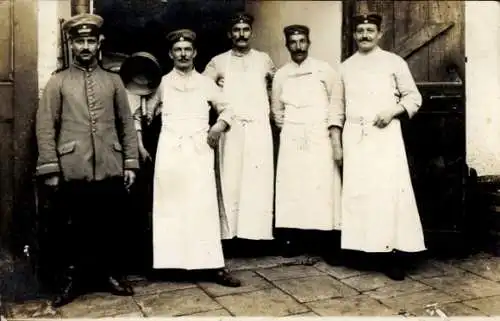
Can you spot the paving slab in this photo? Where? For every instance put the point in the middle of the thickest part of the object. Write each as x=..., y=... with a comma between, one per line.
x=145, y=287
x=398, y=288
x=360, y=305
x=250, y=281
x=175, y=303
x=456, y=309
x=238, y=264
x=29, y=309
x=307, y=314
x=213, y=313
x=465, y=286
x=488, y=268
x=338, y=272
x=289, y=272
x=269, y=302
x=415, y=302
x=368, y=281
x=489, y=306
x=100, y=305
x=434, y=268
x=315, y=288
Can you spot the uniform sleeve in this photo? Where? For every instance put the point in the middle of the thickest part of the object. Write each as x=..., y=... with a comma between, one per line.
x=47, y=122
x=336, y=108
x=410, y=97
x=126, y=128
x=217, y=98
x=277, y=107
x=211, y=70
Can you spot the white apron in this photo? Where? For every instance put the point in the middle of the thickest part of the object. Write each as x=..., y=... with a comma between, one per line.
x=379, y=211
x=246, y=156
x=308, y=181
x=186, y=225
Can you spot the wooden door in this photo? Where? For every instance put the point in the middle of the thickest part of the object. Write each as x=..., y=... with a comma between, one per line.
x=6, y=113
x=18, y=103
x=430, y=36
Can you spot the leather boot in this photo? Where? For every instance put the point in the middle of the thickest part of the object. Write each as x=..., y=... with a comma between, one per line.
x=67, y=291
x=394, y=267
x=120, y=287
x=223, y=278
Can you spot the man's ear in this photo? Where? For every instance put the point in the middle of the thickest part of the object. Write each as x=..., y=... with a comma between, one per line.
x=380, y=34
x=170, y=54
x=195, y=52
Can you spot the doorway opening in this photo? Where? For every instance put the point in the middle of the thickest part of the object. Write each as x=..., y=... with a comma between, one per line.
x=141, y=25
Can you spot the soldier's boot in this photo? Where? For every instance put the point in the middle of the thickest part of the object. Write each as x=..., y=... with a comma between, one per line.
x=67, y=292
x=395, y=267
x=120, y=287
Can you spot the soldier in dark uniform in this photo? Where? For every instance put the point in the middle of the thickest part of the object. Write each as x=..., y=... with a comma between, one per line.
x=88, y=154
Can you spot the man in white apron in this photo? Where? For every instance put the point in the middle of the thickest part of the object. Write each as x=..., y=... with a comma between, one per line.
x=186, y=222
x=379, y=211
x=306, y=106
x=246, y=151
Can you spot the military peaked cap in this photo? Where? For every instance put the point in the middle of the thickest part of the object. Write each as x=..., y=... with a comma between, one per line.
x=374, y=18
x=83, y=25
x=181, y=35
x=296, y=30
x=242, y=17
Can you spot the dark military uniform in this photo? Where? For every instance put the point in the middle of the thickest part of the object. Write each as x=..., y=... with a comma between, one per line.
x=86, y=136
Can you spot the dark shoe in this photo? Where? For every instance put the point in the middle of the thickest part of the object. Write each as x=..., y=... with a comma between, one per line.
x=222, y=277
x=67, y=295
x=395, y=273
x=119, y=287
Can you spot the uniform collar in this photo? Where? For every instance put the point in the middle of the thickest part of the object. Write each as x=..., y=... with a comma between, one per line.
x=184, y=81
x=183, y=74
x=304, y=64
x=89, y=68
x=236, y=53
x=374, y=51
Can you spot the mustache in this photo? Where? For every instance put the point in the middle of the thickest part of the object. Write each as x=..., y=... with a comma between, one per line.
x=85, y=52
x=299, y=51
x=242, y=38
x=365, y=39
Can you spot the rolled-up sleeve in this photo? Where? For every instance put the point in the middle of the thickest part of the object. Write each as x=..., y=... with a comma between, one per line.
x=277, y=107
x=126, y=128
x=410, y=97
x=47, y=121
x=219, y=102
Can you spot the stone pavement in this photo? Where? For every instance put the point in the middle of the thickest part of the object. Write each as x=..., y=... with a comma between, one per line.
x=275, y=286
